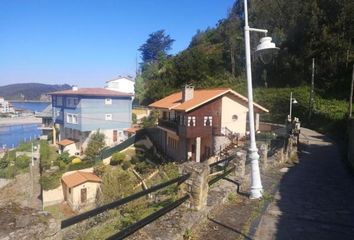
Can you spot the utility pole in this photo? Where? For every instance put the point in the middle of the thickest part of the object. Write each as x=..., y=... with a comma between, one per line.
x=312, y=93
x=351, y=95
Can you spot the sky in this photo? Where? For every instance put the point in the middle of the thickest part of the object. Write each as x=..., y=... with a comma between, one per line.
x=88, y=42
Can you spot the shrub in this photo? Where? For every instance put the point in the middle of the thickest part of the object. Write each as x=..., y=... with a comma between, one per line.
x=100, y=169
x=8, y=172
x=126, y=165
x=135, y=160
x=65, y=157
x=4, y=162
x=76, y=160
x=117, y=158
x=142, y=167
x=22, y=161
x=81, y=165
x=95, y=145
x=51, y=181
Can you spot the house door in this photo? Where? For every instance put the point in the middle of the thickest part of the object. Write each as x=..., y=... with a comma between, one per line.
x=115, y=135
x=83, y=195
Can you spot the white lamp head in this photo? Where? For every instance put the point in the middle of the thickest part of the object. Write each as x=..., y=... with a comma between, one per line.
x=266, y=49
x=294, y=101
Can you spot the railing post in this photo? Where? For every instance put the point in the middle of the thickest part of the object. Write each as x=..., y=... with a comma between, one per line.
x=197, y=184
x=240, y=165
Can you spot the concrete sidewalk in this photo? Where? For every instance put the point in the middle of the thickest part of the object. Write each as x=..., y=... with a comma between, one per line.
x=315, y=199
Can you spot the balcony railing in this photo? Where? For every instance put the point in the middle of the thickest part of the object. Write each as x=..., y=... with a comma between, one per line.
x=169, y=124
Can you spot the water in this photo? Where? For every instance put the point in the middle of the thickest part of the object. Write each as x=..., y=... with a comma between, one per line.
x=32, y=106
x=12, y=136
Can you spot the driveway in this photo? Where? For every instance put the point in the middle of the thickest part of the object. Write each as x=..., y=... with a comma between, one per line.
x=315, y=198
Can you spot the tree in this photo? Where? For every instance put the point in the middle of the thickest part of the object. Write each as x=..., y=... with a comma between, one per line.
x=95, y=145
x=158, y=44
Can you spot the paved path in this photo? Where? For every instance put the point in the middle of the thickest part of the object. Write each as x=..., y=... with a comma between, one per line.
x=315, y=198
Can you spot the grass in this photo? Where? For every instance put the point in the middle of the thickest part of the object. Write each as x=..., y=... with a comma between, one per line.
x=54, y=210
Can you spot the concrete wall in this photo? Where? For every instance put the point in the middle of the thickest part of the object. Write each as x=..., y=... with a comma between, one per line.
x=231, y=107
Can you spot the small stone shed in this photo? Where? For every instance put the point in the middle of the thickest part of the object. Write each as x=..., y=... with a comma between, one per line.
x=80, y=188
x=67, y=145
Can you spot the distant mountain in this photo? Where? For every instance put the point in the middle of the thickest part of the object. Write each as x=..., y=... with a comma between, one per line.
x=29, y=91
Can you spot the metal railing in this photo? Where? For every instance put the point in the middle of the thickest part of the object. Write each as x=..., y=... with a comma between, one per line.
x=136, y=226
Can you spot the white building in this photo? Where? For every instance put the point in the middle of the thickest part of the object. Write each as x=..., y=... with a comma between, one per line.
x=5, y=106
x=121, y=84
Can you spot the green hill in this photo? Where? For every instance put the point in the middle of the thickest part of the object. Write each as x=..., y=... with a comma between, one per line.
x=29, y=91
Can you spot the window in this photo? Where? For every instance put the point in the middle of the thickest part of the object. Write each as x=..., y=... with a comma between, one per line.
x=108, y=101
x=69, y=190
x=72, y=102
x=108, y=117
x=234, y=117
x=208, y=121
x=191, y=121
x=71, y=118
x=59, y=101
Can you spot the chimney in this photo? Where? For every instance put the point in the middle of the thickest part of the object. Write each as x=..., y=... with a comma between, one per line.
x=187, y=93
x=75, y=88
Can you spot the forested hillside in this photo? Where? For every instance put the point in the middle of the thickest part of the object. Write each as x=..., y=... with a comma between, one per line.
x=303, y=30
x=29, y=91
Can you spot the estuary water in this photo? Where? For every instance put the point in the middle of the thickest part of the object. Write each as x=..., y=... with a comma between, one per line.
x=12, y=135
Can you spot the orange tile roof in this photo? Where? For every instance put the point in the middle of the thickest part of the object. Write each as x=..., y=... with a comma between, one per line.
x=65, y=142
x=200, y=97
x=92, y=92
x=79, y=177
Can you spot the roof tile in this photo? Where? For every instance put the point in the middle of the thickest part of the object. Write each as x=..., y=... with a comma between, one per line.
x=79, y=177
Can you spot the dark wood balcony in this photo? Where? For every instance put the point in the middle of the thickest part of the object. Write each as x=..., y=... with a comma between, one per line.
x=169, y=124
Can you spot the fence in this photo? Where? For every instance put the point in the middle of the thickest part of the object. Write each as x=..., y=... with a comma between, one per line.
x=136, y=226
x=107, y=152
x=220, y=166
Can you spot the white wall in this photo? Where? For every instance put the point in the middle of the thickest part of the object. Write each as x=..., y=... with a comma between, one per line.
x=230, y=107
x=121, y=85
x=75, y=196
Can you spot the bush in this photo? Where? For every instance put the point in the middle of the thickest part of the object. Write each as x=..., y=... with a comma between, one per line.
x=142, y=167
x=22, y=162
x=64, y=157
x=81, y=165
x=117, y=159
x=51, y=181
x=135, y=160
x=4, y=162
x=76, y=160
x=8, y=172
x=126, y=165
x=100, y=169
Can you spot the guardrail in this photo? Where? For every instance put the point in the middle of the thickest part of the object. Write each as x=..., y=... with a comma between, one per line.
x=136, y=226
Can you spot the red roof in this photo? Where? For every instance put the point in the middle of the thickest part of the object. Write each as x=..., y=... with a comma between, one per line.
x=65, y=142
x=92, y=92
x=200, y=97
x=79, y=177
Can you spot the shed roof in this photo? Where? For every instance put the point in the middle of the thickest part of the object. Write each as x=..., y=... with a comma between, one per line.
x=79, y=177
x=65, y=142
x=200, y=97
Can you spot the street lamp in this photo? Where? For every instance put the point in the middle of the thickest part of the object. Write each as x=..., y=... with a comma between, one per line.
x=292, y=101
x=264, y=49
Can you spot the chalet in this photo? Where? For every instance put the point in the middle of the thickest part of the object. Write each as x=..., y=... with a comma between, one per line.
x=194, y=124
x=82, y=111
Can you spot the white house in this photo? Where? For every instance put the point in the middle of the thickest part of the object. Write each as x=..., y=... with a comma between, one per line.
x=121, y=84
x=80, y=188
x=5, y=106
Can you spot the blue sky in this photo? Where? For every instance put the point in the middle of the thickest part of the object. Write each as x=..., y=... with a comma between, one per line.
x=87, y=42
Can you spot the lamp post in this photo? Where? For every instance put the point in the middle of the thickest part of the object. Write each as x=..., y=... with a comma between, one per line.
x=292, y=101
x=265, y=48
